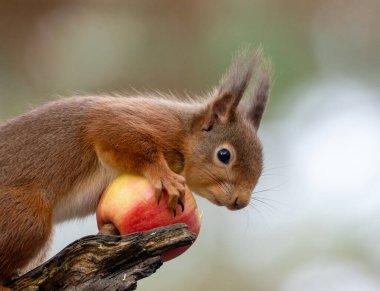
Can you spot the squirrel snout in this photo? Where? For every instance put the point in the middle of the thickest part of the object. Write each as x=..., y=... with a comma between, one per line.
x=233, y=201
x=238, y=203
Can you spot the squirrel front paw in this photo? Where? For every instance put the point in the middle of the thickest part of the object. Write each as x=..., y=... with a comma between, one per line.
x=172, y=184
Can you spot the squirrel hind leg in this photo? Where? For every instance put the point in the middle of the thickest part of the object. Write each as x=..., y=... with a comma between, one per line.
x=25, y=228
x=40, y=257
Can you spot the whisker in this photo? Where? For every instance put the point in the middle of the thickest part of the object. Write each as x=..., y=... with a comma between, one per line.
x=265, y=190
x=213, y=177
x=275, y=168
x=274, y=188
x=256, y=208
x=216, y=180
x=273, y=174
x=266, y=204
x=230, y=192
x=269, y=199
x=268, y=209
x=247, y=221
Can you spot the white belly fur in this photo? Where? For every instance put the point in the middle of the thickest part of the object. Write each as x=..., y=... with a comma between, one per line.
x=84, y=196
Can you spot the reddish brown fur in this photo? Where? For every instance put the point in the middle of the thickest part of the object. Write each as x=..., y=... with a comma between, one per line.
x=48, y=154
x=25, y=227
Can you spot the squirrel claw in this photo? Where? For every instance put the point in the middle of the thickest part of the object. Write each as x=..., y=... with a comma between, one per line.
x=158, y=192
x=182, y=205
x=158, y=198
x=174, y=212
x=172, y=185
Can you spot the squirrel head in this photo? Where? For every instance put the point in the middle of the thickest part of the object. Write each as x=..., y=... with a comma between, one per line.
x=225, y=158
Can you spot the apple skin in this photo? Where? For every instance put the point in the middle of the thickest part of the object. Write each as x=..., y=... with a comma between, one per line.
x=130, y=204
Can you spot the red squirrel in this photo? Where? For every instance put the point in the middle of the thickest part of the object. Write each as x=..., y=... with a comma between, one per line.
x=56, y=160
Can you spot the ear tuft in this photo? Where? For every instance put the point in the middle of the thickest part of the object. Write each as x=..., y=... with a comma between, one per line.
x=260, y=94
x=237, y=78
x=231, y=88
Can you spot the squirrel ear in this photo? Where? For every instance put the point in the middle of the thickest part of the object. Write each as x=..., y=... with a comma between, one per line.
x=222, y=109
x=231, y=89
x=259, y=96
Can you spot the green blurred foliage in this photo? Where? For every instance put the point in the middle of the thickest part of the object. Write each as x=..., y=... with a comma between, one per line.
x=50, y=48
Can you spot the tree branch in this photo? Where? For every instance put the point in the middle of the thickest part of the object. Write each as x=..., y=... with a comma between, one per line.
x=105, y=262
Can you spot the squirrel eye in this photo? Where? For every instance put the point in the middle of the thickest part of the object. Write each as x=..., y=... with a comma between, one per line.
x=224, y=156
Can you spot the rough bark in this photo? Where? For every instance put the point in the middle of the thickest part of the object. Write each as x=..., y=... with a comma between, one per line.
x=105, y=262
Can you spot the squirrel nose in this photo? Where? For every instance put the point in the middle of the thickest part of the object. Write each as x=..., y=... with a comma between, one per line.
x=238, y=204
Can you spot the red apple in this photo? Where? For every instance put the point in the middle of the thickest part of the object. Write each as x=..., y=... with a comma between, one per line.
x=130, y=204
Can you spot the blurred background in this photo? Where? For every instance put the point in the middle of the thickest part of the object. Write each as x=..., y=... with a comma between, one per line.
x=315, y=222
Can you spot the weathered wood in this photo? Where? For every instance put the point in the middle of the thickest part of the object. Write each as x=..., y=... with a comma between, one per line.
x=105, y=262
